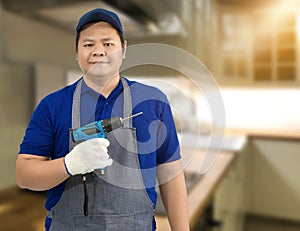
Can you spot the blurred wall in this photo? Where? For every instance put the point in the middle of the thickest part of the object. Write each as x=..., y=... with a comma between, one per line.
x=15, y=95
x=28, y=49
x=27, y=41
x=48, y=78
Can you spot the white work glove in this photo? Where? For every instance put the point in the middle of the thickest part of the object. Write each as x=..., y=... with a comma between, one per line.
x=88, y=156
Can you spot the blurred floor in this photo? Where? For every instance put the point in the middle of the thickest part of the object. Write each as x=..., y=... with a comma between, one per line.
x=24, y=210
x=256, y=223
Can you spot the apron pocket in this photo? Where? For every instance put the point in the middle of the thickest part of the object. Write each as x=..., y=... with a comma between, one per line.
x=104, y=222
x=143, y=221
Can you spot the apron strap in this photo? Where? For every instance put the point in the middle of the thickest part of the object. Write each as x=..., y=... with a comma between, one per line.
x=127, y=103
x=49, y=214
x=75, y=111
x=76, y=106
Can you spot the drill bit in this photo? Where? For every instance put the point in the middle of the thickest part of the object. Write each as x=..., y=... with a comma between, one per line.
x=129, y=117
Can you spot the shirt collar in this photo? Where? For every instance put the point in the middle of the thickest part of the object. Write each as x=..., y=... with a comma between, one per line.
x=86, y=89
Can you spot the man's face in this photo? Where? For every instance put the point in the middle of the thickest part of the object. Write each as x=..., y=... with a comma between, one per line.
x=100, y=51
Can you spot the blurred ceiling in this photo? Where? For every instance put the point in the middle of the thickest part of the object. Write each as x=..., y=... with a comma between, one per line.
x=139, y=17
x=248, y=3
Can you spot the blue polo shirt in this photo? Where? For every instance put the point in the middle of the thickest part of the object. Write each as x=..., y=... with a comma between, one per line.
x=47, y=133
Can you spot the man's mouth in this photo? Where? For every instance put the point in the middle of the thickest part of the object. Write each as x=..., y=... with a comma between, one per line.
x=99, y=62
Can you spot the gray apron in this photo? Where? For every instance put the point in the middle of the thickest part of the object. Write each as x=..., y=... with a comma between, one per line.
x=110, y=207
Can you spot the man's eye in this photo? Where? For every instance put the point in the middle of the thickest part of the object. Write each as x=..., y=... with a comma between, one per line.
x=108, y=44
x=88, y=45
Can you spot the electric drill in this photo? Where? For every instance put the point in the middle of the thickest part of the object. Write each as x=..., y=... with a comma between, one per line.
x=98, y=129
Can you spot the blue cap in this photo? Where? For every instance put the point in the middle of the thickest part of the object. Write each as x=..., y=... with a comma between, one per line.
x=100, y=15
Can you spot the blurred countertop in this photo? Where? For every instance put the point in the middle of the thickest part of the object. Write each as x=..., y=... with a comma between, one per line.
x=217, y=154
x=225, y=150
x=265, y=133
x=201, y=194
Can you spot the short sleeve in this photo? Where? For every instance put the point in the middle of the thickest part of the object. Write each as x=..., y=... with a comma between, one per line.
x=38, y=138
x=169, y=149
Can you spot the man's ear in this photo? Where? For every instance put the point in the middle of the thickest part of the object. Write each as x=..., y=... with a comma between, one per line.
x=124, y=49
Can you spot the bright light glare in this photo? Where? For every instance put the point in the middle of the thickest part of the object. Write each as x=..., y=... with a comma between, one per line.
x=298, y=25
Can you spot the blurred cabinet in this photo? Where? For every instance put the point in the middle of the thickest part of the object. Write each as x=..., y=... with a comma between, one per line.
x=260, y=46
x=235, y=46
x=204, y=42
x=275, y=185
x=274, y=47
x=231, y=197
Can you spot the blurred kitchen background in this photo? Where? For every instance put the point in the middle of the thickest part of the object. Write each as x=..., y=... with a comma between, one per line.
x=252, y=50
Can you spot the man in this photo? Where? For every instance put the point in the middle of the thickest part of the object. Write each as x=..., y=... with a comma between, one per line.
x=79, y=197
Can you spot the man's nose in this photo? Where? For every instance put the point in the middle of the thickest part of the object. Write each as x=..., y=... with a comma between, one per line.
x=99, y=51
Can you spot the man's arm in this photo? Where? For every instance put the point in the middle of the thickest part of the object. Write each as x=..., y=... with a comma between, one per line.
x=174, y=195
x=39, y=173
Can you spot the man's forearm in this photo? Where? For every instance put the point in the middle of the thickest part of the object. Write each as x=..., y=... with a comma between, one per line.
x=39, y=173
x=174, y=196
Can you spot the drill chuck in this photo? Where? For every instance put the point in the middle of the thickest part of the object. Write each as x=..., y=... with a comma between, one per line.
x=112, y=123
